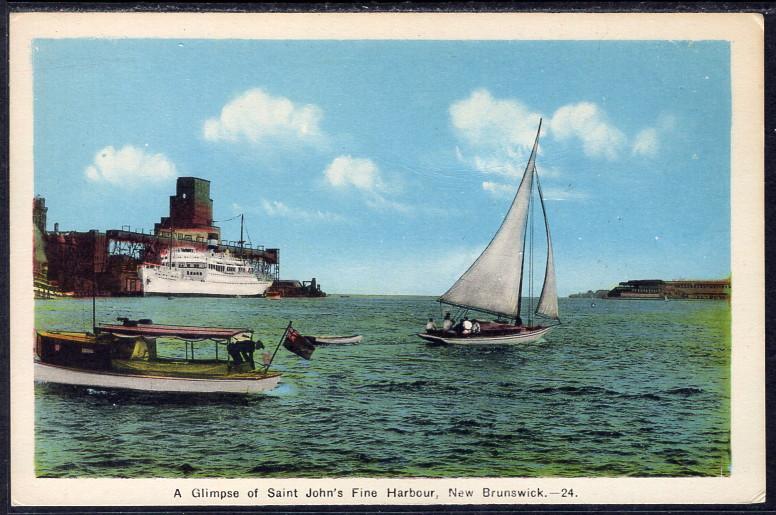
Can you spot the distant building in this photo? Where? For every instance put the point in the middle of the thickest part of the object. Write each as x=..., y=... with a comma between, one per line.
x=690, y=289
x=698, y=289
x=39, y=212
x=191, y=212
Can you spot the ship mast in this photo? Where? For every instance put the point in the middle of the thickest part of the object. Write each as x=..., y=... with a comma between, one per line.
x=242, y=242
x=169, y=251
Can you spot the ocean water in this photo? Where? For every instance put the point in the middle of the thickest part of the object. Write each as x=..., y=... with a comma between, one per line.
x=622, y=388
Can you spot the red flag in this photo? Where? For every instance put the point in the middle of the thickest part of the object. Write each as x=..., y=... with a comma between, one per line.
x=298, y=344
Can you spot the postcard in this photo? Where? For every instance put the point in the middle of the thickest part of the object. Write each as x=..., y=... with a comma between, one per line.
x=386, y=259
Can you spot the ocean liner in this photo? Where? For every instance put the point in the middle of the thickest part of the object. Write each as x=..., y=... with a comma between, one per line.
x=186, y=271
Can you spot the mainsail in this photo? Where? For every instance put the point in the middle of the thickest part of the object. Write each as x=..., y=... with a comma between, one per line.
x=548, y=300
x=492, y=283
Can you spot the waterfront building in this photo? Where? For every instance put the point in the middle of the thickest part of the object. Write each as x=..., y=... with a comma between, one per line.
x=191, y=213
x=688, y=289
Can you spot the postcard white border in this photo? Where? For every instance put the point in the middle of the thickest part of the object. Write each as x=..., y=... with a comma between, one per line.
x=746, y=484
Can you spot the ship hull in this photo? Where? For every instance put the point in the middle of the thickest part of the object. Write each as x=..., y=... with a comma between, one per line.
x=523, y=337
x=47, y=373
x=157, y=281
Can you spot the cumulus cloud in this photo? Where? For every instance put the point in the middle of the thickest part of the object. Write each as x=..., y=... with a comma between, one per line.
x=485, y=122
x=129, y=166
x=646, y=143
x=361, y=173
x=258, y=117
x=587, y=122
x=278, y=209
x=496, y=135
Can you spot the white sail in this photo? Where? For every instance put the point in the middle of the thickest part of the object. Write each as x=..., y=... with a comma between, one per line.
x=492, y=283
x=548, y=301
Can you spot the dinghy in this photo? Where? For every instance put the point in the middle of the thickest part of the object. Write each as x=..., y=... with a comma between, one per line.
x=355, y=338
x=493, y=284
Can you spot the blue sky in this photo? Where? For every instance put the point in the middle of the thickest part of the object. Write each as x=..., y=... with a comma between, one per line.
x=386, y=166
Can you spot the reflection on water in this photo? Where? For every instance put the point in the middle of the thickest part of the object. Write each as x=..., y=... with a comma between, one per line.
x=628, y=388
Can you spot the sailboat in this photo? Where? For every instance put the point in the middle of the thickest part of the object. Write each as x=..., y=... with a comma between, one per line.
x=493, y=284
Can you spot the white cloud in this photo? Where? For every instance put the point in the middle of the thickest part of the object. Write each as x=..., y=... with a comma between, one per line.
x=278, y=209
x=257, y=117
x=361, y=173
x=498, y=189
x=379, y=202
x=498, y=133
x=646, y=143
x=130, y=166
x=563, y=194
x=587, y=122
x=488, y=123
x=497, y=165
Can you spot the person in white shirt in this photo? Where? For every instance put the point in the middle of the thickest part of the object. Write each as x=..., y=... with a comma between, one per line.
x=467, y=326
x=447, y=323
x=431, y=326
x=476, y=327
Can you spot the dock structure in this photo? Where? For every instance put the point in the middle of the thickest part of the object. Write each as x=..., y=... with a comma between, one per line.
x=294, y=288
x=106, y=262
x=682, y=289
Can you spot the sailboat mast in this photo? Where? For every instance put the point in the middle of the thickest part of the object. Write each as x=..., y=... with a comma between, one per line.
x=530, y=256
x=522, y=254
x=522, y=266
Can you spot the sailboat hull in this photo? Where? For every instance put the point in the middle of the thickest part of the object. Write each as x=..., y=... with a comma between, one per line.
x=529, y=336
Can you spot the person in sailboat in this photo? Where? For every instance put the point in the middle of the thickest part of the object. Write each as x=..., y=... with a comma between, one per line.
x=476, y=329
x=447, y=323
x=466, y=326
x=430, y=325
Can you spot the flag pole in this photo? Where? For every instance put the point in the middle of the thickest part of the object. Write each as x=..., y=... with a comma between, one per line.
x=282, y=339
